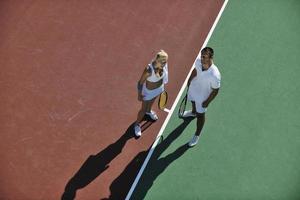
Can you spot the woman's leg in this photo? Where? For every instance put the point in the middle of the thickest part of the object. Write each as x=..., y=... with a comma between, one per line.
x=150, y=104
x=142, y=111
x=150, y=113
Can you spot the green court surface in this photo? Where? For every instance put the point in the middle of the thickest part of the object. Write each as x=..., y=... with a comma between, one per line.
x=250, y=145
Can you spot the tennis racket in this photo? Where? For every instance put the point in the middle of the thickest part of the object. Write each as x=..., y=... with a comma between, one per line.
x=182, y=106
x=162, y=101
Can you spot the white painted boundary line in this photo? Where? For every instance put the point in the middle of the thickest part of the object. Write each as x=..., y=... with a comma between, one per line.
x=173, y=107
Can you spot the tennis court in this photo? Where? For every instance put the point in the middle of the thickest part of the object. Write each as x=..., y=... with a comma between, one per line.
x=250, y=145
x=69, y=100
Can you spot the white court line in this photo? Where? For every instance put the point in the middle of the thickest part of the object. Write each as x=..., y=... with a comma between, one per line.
x=173, y=107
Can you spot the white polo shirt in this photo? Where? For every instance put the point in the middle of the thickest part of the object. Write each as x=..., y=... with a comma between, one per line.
x=201, y=86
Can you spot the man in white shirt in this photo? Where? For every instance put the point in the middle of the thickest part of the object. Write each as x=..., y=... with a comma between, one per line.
x=203, y=84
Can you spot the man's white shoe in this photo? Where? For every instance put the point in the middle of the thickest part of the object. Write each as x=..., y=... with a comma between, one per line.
x=194, y=141
x=189, y=113
x=137, y=130
x=152, y=115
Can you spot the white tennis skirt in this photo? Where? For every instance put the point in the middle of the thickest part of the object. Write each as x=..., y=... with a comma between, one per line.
x=151, y=94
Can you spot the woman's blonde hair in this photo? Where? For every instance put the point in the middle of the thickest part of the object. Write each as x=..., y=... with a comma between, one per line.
x=161, y=55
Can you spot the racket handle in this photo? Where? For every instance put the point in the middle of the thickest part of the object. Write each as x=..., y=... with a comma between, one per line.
x=166, y=110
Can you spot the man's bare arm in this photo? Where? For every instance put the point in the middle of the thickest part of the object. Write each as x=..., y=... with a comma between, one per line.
x=212, y=95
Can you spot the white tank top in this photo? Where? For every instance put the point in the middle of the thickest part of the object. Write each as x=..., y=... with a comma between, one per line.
x=154, y=78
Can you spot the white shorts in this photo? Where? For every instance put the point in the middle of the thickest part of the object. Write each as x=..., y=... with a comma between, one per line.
x=151, y=94
x=198, y=104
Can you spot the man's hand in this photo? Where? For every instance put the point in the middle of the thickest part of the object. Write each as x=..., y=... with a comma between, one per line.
x=212, y=95
x=205, y=104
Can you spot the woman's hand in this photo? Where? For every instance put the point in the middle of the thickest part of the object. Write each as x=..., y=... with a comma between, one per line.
x=140, y=96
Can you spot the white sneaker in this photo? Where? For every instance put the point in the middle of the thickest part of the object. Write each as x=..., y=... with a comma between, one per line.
x=189, y=113
x=152, y=115
x=194, y=141
x=137, y=130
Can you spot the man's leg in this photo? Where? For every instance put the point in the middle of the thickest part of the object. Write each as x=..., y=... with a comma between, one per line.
x=200, y=123
x=193, y=107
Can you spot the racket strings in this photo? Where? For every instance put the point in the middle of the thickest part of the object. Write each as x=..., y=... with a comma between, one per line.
x=182, y=106
x=163, y=98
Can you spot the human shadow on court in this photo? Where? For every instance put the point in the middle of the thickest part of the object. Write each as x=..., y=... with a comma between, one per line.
x=147, y=122
x=122, y=184
x=95, y=165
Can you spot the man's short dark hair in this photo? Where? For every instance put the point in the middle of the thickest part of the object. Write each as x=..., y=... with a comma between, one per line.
x=208, y=50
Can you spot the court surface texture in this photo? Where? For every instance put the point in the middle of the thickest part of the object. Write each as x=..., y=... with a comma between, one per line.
x=68, y=100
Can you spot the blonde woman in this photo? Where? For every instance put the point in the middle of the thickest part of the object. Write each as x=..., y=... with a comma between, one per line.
x=151, y=85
